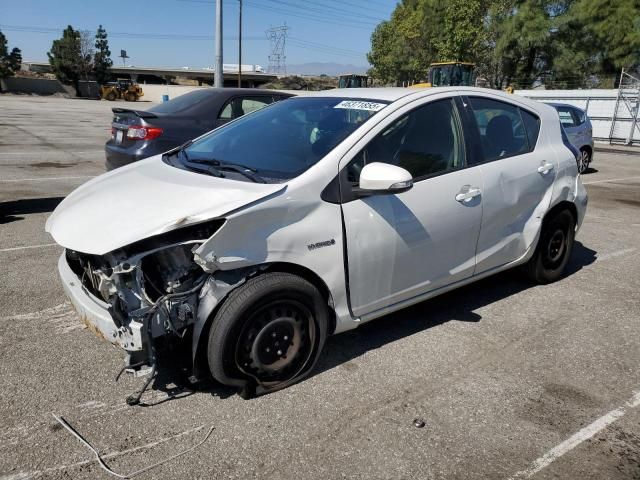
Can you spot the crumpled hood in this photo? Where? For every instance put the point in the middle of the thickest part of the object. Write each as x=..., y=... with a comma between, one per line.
x=145, y=199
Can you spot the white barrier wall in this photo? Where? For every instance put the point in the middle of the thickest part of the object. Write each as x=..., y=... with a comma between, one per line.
x=600, y=106
x=153, y=93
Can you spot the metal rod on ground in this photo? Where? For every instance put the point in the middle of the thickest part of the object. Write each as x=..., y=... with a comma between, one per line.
x=240, y=46
x=218, y=78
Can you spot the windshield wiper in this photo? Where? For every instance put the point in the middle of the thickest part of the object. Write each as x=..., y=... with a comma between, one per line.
x=248, y=172
x=210, y=169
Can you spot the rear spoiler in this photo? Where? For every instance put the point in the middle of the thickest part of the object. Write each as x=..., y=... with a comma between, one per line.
x=137, y=113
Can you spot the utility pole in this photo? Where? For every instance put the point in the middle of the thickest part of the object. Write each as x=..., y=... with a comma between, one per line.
x=240, y=46
x=218, y=79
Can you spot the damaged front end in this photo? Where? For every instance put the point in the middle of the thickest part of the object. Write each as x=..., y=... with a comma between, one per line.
x=151, y=292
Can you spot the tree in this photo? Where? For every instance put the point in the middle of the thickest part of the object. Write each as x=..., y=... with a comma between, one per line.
x=66, y=59
x=490, y=65
x=86, y=54
x=402, y=48
x=463, y=30
x=102, y=62
x=525, y=43
x=561, y=43
x=610, y=33
x=9, y=62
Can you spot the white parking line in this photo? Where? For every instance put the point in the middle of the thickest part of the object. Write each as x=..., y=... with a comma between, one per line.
x=612, y=180
x=577, y=438
x=42, y=179
x=618, y=253
x=13, y=249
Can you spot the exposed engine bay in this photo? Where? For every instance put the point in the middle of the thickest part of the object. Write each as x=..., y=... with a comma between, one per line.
x=152, y=289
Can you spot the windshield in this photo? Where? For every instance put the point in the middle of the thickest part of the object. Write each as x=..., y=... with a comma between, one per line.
x=452, y=75
x=283, y=140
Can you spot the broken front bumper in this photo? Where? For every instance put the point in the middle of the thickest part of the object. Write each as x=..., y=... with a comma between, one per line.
x=94, y=312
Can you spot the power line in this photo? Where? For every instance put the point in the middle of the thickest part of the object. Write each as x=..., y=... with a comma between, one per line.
x=322, y=45
x=298, y=42
x=335, y=12
x=327, y=49
x=367, y=5
x=313, y=18
x=150, y=36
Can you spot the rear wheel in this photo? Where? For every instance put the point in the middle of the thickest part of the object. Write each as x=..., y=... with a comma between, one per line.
x=584, y=160
x=554, y=248
x=111, y=96
x=268, y=334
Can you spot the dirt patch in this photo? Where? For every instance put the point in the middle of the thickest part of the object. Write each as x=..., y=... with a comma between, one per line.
x=559, y=407
x=52, y=165
x=633, y=203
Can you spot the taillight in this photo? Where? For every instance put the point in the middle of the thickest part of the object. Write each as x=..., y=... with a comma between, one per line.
x=138, y=132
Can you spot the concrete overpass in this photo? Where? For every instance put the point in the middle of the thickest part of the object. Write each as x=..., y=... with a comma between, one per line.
x=160, y=75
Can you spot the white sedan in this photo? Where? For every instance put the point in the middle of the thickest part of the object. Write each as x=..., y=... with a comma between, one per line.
x=248, y=246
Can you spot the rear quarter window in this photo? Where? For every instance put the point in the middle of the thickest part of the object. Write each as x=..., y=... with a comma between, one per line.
x=532, y=127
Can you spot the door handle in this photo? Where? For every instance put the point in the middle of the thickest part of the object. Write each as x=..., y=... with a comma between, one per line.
x=467, y=193
x=545, y=168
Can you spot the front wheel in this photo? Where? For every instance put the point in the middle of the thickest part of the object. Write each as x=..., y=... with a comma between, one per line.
x=268, y=334
x=554, y=248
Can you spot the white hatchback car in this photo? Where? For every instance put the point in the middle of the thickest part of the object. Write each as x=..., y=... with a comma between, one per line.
x=250, y=245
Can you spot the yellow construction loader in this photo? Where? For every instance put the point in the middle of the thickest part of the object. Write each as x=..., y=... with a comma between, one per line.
x=122, y=89
x=450, y=74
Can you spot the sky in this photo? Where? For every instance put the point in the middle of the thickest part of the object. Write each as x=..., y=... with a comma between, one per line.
x=179, y=33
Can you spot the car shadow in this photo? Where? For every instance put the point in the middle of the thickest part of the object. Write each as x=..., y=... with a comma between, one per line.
x=14, y=210
x=589, y=171
x=458, y=305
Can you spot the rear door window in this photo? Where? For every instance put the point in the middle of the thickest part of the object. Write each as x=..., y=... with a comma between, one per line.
x=501, y=128
x=239, y=106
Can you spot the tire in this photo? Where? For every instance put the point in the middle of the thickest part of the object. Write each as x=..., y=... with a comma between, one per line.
x=584, y=160
x=130, y=97
x=554, y=248
x=268, y=334
x=111, y=96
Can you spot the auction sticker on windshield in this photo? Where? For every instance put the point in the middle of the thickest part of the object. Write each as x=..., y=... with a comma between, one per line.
x=360, y=105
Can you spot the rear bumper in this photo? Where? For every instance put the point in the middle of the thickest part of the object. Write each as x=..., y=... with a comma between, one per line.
x=119, y=157
x=94, y=312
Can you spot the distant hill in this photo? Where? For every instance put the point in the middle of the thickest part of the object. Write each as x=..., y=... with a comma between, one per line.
x=319, y=68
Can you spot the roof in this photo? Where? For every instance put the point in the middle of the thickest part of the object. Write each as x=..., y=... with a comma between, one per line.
x=389, y=94
x=392, y=94
x=558, y=104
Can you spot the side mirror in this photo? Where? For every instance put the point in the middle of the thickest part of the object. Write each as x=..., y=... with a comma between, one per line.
x=378, y=178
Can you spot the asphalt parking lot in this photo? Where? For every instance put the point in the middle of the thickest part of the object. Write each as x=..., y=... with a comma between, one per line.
x=511, y=380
